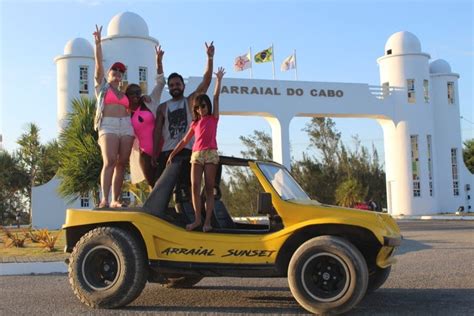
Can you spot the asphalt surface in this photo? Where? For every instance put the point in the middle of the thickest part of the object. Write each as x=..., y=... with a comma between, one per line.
x=434, y=276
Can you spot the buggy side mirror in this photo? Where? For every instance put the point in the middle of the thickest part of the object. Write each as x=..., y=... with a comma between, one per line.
x=264, y=203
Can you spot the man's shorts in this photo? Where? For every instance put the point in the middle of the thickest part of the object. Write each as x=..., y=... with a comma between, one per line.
x=121, y=126
x=205, y=156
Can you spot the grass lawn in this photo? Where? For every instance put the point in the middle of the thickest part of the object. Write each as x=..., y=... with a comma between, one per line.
x=31, y=251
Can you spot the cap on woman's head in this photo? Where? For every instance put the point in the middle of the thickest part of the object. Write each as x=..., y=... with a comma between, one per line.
x=118, y=66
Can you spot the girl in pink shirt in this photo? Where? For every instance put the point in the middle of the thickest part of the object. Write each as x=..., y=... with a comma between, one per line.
x=204, y=157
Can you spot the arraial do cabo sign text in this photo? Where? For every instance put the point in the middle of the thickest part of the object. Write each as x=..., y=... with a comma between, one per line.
x=275, y=91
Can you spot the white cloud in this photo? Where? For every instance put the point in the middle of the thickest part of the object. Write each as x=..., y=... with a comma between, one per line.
x=46, y=80
x=91, y=3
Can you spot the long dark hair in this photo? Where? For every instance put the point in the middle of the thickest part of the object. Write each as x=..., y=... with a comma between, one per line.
x=200, y=99
x=131, y=86
x=135, y=86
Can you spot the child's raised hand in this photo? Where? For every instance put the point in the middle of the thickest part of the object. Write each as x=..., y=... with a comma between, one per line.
x=220, y=73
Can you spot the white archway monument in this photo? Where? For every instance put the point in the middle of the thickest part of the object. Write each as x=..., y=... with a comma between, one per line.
x=280, y=101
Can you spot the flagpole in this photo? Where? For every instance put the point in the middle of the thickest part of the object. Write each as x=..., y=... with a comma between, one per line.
x=273, y=62
x=296, y=65
x=251, y=62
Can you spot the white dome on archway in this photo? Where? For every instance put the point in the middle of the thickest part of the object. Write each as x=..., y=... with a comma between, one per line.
x=78, y=47
x=127, y=23
x=440, y=66
x=403, y=43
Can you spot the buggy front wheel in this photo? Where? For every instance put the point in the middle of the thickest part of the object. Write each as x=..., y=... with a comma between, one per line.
x=327, y=274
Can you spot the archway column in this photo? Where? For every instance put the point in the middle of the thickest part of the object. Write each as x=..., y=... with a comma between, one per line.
x=281, y=139
x=398, y=167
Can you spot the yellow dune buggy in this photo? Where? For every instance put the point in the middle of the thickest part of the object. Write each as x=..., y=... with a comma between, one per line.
x=332, y=256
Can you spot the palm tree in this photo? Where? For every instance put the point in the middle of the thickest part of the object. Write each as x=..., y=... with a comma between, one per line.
x=349, y=193
x=140, y=191
x=80, y=160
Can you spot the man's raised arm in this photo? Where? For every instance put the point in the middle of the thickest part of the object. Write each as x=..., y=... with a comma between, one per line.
x=206, y=80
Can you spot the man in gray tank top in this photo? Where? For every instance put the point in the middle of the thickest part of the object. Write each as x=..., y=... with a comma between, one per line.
x=173, y=119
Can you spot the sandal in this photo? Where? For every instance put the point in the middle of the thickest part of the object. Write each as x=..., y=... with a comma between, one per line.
x=117, y=204
x=192, y=226
x=103, y=204
x=206, y=228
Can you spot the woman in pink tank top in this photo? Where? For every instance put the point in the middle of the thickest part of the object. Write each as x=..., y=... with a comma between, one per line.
x=204, y=158
x=143, y=113
x=143, y=122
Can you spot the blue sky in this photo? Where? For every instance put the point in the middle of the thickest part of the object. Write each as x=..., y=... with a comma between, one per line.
x=336, y=41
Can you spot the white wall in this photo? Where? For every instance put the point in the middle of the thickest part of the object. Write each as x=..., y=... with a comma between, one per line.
x=448, y=135
x=48, y=209
x=134, y=52
x=67, y=70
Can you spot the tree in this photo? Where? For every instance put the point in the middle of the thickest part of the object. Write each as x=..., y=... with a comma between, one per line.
x=324, y=137
x=49, y=162
x=322, y=174
x=309, y=174
x=468, y=154
x=258, y=146
x=349, y=193
x=240, y=191
x=29, y=156
x=140, y=191
x=39, y=161
x=334, y=175
x=13, y=180
x=80, y=159
x=358, y=164
x=240, y=187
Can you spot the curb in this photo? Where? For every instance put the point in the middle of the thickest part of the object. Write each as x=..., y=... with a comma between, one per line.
x=436, y=217
x=24, y=268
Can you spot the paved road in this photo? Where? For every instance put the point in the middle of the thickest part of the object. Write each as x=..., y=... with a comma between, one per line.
x=434, y=276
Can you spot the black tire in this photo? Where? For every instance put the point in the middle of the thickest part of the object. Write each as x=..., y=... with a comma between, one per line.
x=327, y=274
x=181, y=282
x=108, y=268
x=377, y=278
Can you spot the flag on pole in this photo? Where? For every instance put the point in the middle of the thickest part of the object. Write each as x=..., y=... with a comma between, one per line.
x=288, y=63
x=264, y=56
x=242, y=62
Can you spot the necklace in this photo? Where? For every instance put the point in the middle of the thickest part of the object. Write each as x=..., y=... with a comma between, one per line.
x=117, y=91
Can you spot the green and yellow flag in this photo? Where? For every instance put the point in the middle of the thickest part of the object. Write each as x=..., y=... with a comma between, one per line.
x=264, y=56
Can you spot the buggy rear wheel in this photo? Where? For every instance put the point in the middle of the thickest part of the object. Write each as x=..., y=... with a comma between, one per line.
x=107, y=268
